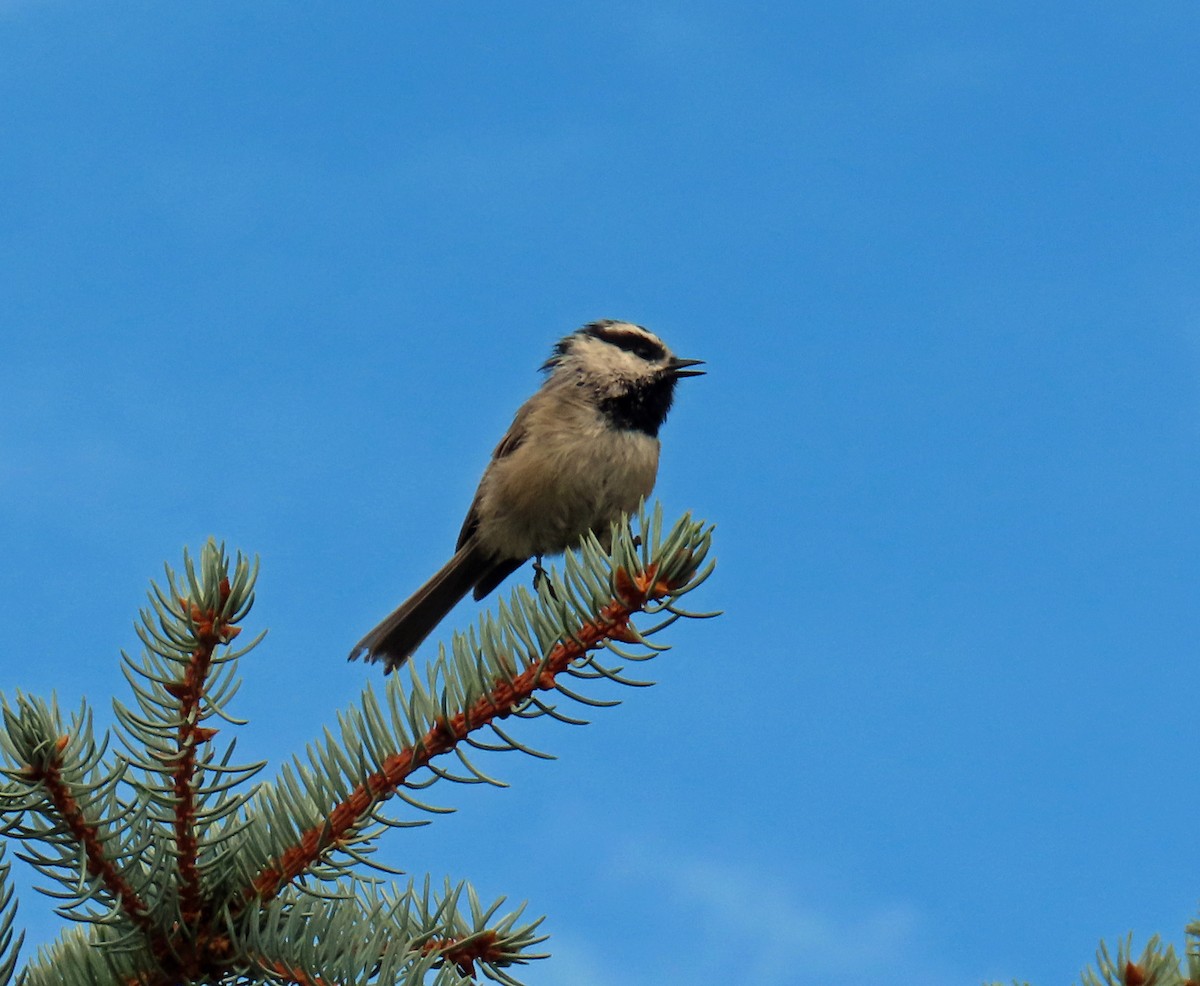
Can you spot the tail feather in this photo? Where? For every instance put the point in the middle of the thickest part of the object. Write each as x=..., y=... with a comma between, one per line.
x=398, y=635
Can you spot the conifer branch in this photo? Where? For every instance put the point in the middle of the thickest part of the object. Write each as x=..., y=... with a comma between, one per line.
x=211, y=630
x=49, y=775
x=633, y=593
x=463, y=954
x=1158, y=965
x=58, y=798
x=10, y=943
x=390, y=937
x=199, y=876
x=284, y=973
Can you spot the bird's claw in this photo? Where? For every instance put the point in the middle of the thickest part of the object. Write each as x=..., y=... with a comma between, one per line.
x=540, y=575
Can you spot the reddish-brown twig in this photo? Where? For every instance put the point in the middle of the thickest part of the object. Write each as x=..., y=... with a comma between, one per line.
x=99, y=865
x=633, y=592
x=298, y=977
x=463, y=956
x=210, y=633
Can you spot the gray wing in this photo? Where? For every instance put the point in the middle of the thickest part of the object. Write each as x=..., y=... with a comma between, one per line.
x=508, y=444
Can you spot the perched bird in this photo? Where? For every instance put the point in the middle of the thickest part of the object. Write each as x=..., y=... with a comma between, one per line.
x=580, y=452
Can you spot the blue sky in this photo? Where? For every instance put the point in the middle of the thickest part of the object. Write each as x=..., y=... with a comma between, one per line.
x=281, y=275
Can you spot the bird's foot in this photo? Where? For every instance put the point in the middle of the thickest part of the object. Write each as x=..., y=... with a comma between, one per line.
x=540, y=575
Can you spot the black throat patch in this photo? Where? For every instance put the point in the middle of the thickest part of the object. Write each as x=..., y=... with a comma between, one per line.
x=641, y=408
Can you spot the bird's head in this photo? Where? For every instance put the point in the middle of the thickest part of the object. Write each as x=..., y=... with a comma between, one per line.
x=628, y=368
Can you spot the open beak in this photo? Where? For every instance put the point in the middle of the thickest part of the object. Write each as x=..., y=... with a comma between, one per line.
x=679, y=367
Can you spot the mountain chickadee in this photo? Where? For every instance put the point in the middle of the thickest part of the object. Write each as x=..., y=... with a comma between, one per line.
x=580, y=452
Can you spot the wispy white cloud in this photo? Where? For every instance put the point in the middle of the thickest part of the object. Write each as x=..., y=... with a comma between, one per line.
x=772, y=928
x=780, y=925
x=745, y=923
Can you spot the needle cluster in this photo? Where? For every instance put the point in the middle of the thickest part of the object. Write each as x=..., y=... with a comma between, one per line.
x=177, y=864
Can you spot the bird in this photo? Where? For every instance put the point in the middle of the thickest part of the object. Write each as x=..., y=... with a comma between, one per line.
x=580, y=453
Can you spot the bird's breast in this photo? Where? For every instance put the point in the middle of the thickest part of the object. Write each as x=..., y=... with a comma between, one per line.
x=561, y=482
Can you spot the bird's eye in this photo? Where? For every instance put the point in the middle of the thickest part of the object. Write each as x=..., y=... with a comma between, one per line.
x=645, y=349
x=648, y=349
